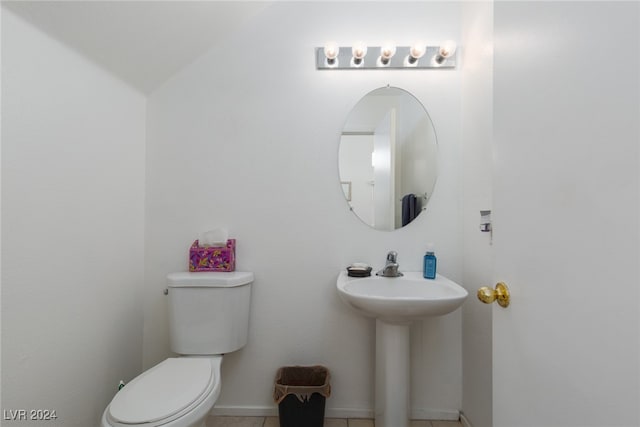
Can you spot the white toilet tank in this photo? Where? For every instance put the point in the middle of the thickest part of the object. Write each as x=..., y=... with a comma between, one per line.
x=209, y=311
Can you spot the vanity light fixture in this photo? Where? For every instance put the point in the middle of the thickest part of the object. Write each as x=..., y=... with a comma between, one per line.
x=359, y=56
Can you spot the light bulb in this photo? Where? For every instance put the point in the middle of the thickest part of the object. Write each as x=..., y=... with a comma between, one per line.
x=386, y=52
x=416, y=51
x=359, y=51
x=331, y=51
x=446, y=50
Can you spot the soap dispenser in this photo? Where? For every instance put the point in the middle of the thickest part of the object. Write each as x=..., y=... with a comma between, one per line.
x=430, y=263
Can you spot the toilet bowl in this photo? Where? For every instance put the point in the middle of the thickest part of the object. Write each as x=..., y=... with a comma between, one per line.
x=178, y=392
x=208, y=317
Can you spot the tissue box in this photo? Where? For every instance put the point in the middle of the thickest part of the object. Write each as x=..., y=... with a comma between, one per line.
x=213, y=258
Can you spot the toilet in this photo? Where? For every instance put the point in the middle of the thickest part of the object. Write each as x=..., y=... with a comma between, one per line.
x=208, y=317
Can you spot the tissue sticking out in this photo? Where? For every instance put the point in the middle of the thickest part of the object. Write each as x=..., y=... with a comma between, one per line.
x=213, y=238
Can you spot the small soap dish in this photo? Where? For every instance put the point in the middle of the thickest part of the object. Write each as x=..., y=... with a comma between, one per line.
x=359, y=270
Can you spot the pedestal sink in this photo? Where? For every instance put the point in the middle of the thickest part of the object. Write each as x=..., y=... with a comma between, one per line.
x=395, y=302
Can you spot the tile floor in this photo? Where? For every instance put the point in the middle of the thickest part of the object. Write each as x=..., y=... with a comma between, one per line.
x=328, y=422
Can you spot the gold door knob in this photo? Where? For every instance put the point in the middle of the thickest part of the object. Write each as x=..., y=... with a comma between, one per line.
x=500, y=293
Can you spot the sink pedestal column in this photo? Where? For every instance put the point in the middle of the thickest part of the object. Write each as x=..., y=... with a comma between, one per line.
x=392, y=374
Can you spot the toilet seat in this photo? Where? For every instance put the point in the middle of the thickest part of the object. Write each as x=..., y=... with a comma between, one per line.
x=166, y=392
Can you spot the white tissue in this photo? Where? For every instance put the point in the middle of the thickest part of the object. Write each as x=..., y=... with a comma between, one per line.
x=217, y=237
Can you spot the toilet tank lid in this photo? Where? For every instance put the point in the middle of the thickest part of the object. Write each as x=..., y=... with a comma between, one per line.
x=209, y=279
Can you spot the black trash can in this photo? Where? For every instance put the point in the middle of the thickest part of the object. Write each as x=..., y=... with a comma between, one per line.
x=301, y=392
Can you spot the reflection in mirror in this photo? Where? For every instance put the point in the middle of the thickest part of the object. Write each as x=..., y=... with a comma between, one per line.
x=388, y=158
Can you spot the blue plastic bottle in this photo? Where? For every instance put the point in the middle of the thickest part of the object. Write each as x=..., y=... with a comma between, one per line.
x=430, y=264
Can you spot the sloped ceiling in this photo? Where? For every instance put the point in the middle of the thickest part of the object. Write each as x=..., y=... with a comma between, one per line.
x=142, y=42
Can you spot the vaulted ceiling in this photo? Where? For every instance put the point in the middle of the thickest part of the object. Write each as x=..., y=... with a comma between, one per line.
x=142, y=42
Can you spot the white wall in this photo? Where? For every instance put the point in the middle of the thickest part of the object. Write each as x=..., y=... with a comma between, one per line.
x=247, y=138
x=72, y=229
x=477, y=133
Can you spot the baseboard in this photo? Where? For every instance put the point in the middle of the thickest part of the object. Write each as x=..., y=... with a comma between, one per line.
x=272, y=411
x=465, y=422
x=435, y=414
x=245, y=411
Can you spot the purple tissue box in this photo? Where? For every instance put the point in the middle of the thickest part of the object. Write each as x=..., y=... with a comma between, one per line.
x=221, y=258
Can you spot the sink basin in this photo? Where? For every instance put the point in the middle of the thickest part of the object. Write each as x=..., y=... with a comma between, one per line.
x=401, y=299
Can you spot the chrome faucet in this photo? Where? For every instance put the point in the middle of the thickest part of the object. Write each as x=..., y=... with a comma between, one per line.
x=391, y=266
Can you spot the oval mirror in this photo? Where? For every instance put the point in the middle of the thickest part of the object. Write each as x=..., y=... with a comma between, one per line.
x=388, y=158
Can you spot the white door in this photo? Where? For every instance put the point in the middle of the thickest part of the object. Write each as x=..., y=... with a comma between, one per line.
x=566, y=212
x=384, y=147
